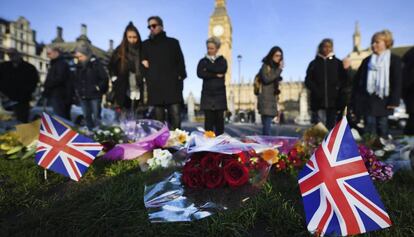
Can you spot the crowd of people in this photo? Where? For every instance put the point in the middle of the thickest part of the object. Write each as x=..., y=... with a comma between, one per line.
x=150, y=73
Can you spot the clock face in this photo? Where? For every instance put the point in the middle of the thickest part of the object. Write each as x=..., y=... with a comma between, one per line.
x=218, y=30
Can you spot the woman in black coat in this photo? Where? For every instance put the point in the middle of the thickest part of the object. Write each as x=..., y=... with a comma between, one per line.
x=125, y=70
x=269, y=79
x=324, y=78
x=408, y=88
x=212, y=69
x=378, y=83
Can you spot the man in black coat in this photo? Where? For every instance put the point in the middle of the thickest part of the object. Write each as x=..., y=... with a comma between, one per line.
x=18, y=80
x=58, y=85
x=324, y=78
x=408, y=88
x=165, y=72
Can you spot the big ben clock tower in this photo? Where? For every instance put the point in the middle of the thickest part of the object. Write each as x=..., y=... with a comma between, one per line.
x=220, y=27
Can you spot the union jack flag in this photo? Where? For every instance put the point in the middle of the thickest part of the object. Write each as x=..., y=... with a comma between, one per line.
x=63, y=150
x=338, y=194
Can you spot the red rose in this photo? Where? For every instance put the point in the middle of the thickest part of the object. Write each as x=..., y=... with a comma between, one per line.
x=192, y=177
x=236, y=174
x=293, y=153
x=281, y=165
x=214, y=178
x=210, y=161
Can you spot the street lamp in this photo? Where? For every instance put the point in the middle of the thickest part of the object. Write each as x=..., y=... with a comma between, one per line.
x=239, y=58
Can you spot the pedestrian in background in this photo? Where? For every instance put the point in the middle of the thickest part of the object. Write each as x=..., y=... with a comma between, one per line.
x=212, y=69
x=125, y=70
x=408, y=89
x=269, y=76
x=91, y=84
x=18, y=80
x=378, y=85
x=58, y=85
x=324, y=78
x=164, y=73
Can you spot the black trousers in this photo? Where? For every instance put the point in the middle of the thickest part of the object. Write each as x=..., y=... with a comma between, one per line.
x=214, y=121
x=409, y=127
x=22, y=110
x=60, y=107
x=173, y=115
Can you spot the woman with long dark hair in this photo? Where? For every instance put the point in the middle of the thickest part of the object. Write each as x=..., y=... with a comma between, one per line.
x=126, y=72
x=212, y=69
x=269, y=75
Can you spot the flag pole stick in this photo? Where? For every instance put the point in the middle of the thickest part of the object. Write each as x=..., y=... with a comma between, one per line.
x=44, y=104
x=345, y=112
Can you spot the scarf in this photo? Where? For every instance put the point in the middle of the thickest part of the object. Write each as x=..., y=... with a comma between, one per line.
x=212, y=58
x=330, y=55
x=378, y=81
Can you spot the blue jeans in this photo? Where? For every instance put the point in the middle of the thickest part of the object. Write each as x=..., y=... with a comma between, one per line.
x=376, y=125
x=267, y=123
x=92, y=112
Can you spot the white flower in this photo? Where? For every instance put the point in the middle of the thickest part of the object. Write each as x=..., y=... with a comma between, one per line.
x=117, y=130
x=161, y=158
x=177, y=137
x=106, y=133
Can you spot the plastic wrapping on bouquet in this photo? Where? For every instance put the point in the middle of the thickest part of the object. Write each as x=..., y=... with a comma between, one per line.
x=283, y=143
x=169, y=201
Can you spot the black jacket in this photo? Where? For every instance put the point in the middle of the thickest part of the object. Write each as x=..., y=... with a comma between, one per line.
x=18, y=83
x=372, y=105
x=213, y=95
x=324, y=79
x=166, y=71
x=121, y=85
x=58, y=81
x=408, y=81
x=91, y=80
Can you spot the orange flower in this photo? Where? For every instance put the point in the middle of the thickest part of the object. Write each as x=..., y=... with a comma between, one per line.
x=209, y=134
x=271, y=156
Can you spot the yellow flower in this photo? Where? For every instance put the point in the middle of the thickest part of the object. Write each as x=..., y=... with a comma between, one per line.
x=209, y=134
x=271, y=156
x=182, y=138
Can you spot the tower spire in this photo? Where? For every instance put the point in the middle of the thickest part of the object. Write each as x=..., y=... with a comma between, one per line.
x=220, y=3
x=357, y=38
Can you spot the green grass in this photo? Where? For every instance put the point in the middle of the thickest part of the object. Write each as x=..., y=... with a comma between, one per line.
x=108, y=201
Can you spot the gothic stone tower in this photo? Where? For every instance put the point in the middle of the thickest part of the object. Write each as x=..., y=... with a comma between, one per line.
x=220, y=26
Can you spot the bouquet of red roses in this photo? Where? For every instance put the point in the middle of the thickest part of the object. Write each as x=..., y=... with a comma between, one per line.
x=215, y=170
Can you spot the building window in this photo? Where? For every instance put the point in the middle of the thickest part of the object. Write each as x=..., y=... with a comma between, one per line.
x=21, y=36
x=40, y=66
x=21, y=46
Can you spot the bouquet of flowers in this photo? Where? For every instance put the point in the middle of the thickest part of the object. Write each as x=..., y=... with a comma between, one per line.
x=215, y=170
x=109, y=137
x=161, y=158
x=11, y=148
x=177, y=138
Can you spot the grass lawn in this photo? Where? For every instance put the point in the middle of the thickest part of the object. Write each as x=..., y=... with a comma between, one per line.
x=108, y=201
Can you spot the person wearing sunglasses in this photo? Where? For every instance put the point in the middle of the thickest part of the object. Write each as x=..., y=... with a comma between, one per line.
x=325, y=78
x=165, y=71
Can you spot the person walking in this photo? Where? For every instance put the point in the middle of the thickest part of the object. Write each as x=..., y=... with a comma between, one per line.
x=212, y=69
x=408, y=88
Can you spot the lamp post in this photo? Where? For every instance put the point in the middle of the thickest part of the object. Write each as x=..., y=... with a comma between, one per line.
x=239, y=58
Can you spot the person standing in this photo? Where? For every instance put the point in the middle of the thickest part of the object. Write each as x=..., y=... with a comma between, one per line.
x=125, y=70
x=408, y=88
x=91, y=82
x=164, y=74
x=57, y=86
x=324, y=78
x=378, y=85
x=18, y=80
x=212, y=69
x=269, y=76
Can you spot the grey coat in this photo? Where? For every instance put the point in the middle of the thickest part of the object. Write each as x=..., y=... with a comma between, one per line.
x=267, y=99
